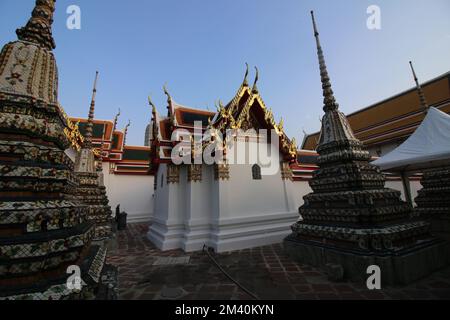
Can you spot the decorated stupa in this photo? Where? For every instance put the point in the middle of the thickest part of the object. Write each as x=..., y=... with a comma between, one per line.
x=350, y=221
x=91, y=189
x=433, y=202
x=44, y=228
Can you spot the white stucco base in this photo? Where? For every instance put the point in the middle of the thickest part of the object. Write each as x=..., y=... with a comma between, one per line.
x=222, y=236
x=225, y=215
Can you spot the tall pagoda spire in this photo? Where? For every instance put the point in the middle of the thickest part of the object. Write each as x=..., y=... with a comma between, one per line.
x=90, y=123
x=423, y=101
x=38, y=29
x=328, y=95
x=335, y=126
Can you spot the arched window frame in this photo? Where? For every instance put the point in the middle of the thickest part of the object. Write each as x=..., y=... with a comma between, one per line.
x=256, y=172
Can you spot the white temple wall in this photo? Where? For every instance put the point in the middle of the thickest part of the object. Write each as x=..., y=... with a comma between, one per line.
x=199, y=209
x=168, y=223
x=248, y=197
x=382, y=150
x=251, y=212
x=134, y=193
x=300, y=189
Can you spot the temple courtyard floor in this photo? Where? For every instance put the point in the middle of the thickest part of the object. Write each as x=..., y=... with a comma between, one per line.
x=148, y=273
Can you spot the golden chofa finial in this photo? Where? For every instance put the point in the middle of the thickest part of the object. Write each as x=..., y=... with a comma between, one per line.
x=125, y=132
x=281, y=125
x=255, y=88
x=127, y=126
x=245, y=83
x=222, y=109
x=116, y=118
x=166, y=92
x=151, y=104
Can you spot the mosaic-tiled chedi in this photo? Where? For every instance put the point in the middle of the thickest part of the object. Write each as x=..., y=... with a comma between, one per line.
x=350, y=219
x=91, y=190
x=43, y=228
x=433, y=201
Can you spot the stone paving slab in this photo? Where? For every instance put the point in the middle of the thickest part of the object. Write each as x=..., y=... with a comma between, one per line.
x=266, y=271
x=171, y=260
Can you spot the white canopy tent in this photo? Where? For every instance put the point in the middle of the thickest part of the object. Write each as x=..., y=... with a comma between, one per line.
x=428, y=147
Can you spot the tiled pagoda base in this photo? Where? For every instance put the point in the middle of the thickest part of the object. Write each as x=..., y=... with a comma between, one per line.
x=90, y=193
x=91, y=268
x=399, y=268
x=433, y=201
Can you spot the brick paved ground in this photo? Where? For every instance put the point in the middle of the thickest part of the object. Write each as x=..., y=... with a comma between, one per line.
x=266, y=271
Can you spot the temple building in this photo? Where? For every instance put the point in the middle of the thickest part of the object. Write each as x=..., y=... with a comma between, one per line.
x=224, y=205
x=350, y=219
x=44, y=228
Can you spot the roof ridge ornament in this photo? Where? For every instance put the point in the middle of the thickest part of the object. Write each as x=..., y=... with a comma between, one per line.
x=423, y=100
x=125, y=132
x=328, y=95
x=255, y=88
x=150, y=102
x=90, y=125
x=170, y=110
x=245, y=82
x=38, y=29
x=166, y=92
x=115, y=120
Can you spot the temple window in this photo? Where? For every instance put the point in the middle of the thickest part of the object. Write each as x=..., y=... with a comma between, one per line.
x=256, y=172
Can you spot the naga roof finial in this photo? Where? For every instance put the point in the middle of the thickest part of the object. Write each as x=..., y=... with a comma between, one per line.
x=245, y=83
x=152, y=105
x=166, y=92
x=423, y=101
x=255, y=88
x=125, y=132
x=116, y=118
x=328, y=95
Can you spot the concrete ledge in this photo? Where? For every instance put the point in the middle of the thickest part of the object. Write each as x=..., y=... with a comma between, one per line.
x=396, y=268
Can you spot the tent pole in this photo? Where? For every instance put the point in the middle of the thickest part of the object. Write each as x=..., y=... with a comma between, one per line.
x=407, y=188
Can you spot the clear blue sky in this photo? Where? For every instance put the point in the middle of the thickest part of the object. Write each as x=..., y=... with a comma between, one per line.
x=199, y=48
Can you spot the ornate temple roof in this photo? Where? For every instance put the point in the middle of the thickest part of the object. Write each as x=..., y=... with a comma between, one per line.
x=246, y=110
x=124, y=159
